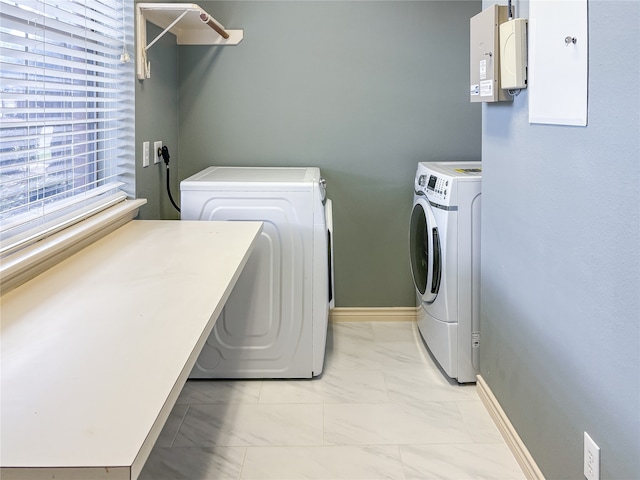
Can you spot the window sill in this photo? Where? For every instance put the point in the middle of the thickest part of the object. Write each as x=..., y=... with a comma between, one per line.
x=31, y=261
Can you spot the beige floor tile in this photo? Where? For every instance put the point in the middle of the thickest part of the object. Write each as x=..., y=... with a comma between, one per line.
x=382, y=409
x=394, y=423
x=194, y=463
x=327, y=462
x=251, y=424
x=335, y=386
x=472, y=461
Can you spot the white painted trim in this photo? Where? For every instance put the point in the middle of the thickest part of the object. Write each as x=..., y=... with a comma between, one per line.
x=510, y=435
x=373, y=314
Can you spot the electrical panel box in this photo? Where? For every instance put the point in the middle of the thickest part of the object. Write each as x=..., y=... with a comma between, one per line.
x=513, y=54
x=485, y=56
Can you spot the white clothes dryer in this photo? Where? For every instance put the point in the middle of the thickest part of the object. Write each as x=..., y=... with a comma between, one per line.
x=445, y=262
x=274, y=324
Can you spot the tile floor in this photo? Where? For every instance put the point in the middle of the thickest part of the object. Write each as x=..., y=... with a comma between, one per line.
x=381, y=410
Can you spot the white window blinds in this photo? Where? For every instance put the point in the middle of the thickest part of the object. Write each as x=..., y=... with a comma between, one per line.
x=66, y=113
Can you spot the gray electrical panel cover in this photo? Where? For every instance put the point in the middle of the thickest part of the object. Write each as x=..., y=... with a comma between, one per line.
x=485, y=55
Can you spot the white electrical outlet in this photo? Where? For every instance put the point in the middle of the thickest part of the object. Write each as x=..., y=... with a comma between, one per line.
x=145, y=154
x=157, y=146
x=591, y=458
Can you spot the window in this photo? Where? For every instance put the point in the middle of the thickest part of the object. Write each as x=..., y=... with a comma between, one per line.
x=66, y=113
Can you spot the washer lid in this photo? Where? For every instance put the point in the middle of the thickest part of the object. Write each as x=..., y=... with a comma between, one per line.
x=234, y=178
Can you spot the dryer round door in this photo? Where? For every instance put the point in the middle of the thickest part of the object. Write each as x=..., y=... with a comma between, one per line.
x=425, y=253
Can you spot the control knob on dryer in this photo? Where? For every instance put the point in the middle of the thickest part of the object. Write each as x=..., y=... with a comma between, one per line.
x=422, y=180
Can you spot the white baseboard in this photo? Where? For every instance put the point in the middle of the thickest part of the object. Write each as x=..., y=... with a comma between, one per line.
x=373, y=314
x=511, y=437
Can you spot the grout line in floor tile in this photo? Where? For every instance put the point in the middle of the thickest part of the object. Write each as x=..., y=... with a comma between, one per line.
x=242, y=464
x=175, y=434
x=323, y=424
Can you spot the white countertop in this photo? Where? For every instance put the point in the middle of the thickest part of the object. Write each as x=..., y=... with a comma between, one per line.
x=95, y=350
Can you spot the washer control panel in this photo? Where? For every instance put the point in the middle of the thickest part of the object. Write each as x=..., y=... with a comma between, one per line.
x=438, y=187
x=440, y=182
x=435, y=187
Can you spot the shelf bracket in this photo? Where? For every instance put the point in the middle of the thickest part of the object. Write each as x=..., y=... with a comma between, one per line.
x=147, y=63
x=165, y=30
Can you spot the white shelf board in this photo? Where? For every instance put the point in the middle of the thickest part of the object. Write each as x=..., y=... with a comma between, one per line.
x=190, y=30
x=182, y=20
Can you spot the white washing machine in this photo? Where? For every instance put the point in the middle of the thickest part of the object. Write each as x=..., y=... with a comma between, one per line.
x=274, y=324
x=445, y=263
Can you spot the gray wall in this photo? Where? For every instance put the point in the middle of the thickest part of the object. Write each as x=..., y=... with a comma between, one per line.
x=157, y=119
x=561, y=262
x=363, y=90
